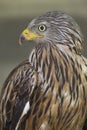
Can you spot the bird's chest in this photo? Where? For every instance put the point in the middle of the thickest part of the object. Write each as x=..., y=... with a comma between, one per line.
x=63, y=106
x=62, y=92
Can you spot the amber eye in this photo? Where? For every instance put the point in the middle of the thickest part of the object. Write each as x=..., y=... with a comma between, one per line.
x=42, y=28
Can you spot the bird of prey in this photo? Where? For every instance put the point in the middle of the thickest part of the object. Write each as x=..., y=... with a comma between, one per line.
x=49, y=90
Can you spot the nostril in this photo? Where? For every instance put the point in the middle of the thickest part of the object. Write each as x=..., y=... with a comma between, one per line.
x=26, y=33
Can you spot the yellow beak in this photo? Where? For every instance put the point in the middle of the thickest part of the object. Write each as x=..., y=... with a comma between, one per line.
x=27, y=35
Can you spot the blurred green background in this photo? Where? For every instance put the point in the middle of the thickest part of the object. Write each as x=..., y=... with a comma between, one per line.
x=15, y=16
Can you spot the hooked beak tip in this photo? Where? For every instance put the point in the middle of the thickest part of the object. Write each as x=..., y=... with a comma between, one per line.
x=21, y=39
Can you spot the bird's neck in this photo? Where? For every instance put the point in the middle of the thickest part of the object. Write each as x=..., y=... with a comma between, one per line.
x=55, y=66
x=42, y=52
x=46, y=58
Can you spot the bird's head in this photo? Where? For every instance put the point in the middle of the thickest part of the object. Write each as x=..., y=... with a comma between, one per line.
x=53, y=27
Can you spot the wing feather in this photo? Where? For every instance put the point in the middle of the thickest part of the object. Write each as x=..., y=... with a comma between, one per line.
x=15, y=95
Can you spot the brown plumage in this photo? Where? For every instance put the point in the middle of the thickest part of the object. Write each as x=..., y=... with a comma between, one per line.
x=48, y=92
x=16, y=91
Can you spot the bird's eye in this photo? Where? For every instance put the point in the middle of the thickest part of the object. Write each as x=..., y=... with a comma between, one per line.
x=42, y=28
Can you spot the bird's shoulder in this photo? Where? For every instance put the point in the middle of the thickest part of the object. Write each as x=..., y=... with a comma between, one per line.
x=18, y=76
x=16, y=92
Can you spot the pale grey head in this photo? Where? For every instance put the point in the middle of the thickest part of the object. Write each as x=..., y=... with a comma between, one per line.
x=55, y=27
